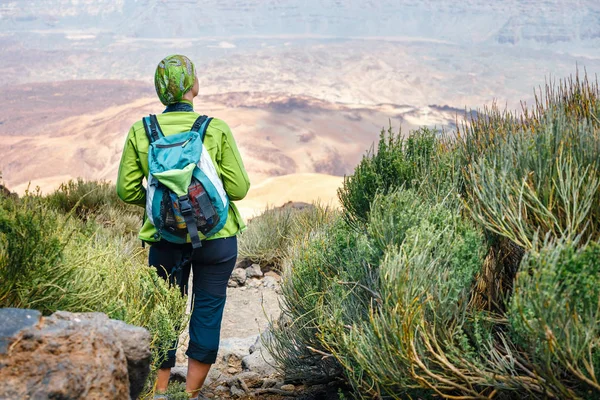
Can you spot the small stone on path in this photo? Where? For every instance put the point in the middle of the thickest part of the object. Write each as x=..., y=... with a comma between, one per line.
x=239, y=276
x=254, y=271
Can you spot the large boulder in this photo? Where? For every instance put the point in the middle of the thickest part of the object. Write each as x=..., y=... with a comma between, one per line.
x=71, y=356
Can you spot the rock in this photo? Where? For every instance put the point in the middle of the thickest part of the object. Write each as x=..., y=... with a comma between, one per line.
x=220, y=388
x=136, y=346
x=179, y=374
x=213, y=376
x=270, y=282
x=259, y=360
x=243, y=263
x=251, y=379
x=235, y=347
x=253, y=283
x=71, y=356
x=237, y=392
x=274, y=275
x=12, y=321
x=254, y=271
x=232, y=283
x=239, y=276
x=288, y=387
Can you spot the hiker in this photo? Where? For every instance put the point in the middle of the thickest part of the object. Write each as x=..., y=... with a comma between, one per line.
x=178, y=246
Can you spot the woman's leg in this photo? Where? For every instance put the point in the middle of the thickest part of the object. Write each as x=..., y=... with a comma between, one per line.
x=212, y=265
x=172, y=263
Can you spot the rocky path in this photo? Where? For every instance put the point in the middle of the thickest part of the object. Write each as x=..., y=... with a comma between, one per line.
x=244, y=368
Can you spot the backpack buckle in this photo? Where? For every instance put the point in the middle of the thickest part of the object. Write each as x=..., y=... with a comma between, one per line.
x=184, y=204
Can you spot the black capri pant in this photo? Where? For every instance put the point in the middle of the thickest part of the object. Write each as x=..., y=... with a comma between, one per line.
x=212, y=265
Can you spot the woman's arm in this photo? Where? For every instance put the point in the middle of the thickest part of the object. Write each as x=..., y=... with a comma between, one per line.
x=234, y=175
x=129, y=180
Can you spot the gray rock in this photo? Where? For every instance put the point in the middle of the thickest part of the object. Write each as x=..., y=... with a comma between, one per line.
x=253, y=283
x=220, y=389
x=235, y=347
x=74, y=355
x=13, y=321
x=270, y=282
x=179, y=373
x=237, y=392
x=259, y=360
x=232, y=284
x=254, y=271
x=239, y=275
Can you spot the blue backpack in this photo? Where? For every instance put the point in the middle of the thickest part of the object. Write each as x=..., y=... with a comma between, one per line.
x=185, y=196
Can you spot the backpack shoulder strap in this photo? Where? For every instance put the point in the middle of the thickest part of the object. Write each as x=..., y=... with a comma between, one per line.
x=201, y=125
x=152, y=128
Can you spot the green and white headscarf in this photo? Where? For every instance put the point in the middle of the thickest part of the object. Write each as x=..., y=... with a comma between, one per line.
x=174, y=76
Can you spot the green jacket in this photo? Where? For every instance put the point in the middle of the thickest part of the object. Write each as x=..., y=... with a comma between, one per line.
x=220, y=145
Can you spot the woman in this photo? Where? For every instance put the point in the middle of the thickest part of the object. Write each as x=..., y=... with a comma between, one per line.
x=176, y=85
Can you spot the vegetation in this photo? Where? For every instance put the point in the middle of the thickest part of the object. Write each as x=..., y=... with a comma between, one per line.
x=268, y=240
x=52, y=258
x=462, y=265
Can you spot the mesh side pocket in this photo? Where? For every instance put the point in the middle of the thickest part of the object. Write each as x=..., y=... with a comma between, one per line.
x=169, y=211
x=204, y=211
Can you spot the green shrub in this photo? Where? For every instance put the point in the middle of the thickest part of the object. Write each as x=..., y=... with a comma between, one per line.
x=554, y=315
x=295, y=343
x=32, y=270
x=395, y=299
x=414, y=297
x=368, y=305
x=88, y=197
x=539, y=182
x=270, y=235
x=421, y=158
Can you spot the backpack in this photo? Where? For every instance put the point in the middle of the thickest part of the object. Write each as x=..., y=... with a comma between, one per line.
x=184, y=194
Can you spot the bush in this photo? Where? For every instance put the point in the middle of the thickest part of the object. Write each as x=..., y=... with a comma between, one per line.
x=413, y=301
x=295, y=343
x=32, y=270
x=531, y=175
x=554, y=316
x=368, y=304
x=421, y=158
x=396, y=296
x=539, y=182
x=86, y=198
x=269, y=235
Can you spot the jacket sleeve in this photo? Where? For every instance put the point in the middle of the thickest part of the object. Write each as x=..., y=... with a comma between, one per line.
x=130, y=178
x=234, y=175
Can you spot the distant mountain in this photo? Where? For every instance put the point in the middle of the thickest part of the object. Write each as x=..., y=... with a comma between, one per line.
x=536, y=22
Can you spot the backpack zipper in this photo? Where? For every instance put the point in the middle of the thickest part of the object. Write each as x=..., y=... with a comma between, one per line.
x=166, y=146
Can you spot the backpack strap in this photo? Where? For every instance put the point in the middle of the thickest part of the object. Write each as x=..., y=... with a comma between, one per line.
x=188, y=216
x=152, y=128
x=201, y=125
x=198, y=123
